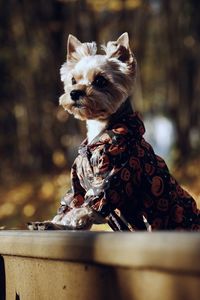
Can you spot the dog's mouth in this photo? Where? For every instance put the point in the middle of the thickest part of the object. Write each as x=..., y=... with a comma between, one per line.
x=79, y=105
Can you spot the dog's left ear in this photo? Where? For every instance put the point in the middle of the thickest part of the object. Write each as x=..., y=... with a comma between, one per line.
x=123, y=40
x=120, y=49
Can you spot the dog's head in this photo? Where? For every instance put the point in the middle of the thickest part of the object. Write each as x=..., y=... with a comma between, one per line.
x=96, y=85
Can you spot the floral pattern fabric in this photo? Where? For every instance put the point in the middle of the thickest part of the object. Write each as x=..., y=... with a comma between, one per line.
x=119, y=170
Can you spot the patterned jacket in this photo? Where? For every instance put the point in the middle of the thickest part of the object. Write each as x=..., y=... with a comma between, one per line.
x=119, y=170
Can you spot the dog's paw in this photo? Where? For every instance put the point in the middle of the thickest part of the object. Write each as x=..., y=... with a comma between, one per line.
x=78, y=219
x=46, y=225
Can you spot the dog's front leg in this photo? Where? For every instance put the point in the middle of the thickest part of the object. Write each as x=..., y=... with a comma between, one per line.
x=76, y=219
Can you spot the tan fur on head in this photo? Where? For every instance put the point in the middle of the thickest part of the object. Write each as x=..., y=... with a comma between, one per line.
x=120, y=50
x=116, y=69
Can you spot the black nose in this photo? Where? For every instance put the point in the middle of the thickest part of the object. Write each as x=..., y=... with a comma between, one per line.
x=76, y=94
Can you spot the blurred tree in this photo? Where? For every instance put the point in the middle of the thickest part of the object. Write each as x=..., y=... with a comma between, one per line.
x=183, y=70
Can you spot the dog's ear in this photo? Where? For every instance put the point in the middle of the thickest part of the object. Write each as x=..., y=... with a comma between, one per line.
x=123, y=40
x=120, y=49
x=76, y=50
x=72, y=44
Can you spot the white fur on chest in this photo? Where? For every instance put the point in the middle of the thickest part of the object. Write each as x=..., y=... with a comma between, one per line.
x=94, y=127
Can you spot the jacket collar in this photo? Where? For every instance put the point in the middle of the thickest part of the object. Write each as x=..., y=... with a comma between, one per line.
x=124, y=122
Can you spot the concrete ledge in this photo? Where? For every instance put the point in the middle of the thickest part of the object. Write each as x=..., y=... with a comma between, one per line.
x=92, y=265
x=176, y=251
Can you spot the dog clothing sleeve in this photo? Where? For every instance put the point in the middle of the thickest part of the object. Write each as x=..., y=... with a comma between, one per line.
x=75, y=196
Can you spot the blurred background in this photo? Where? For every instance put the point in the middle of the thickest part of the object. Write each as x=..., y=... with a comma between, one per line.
x=38, y=140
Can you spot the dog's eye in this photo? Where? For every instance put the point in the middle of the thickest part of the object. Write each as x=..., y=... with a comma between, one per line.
x=100, y=82
x=73, y=80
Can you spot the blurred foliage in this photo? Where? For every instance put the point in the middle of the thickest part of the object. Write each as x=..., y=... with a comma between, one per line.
x=114, y=5
x=38, y=140
x=38, y=197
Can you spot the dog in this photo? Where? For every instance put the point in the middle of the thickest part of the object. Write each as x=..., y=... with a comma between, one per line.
x=116, y=178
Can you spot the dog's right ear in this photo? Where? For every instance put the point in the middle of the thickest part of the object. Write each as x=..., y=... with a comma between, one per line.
x=76, y=50
x=72, y=44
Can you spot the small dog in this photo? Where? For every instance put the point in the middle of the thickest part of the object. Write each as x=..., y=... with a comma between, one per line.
x=116, y=178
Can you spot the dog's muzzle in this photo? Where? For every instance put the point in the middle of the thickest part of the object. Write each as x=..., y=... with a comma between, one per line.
x=77, y=94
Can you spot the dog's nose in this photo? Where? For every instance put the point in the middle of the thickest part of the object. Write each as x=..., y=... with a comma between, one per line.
x=76, y=94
